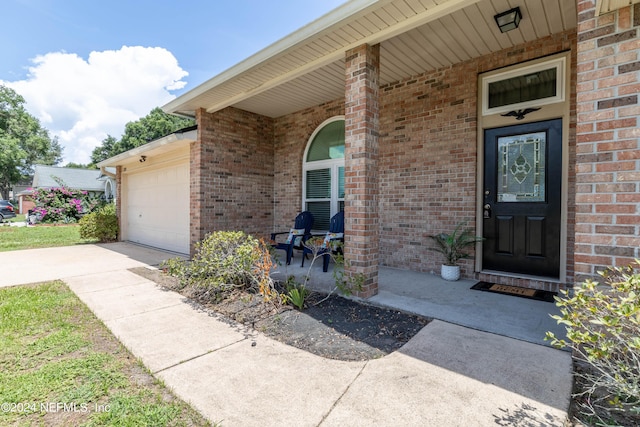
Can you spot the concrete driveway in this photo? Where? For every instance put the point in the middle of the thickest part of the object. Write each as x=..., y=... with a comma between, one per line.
x=446, y=375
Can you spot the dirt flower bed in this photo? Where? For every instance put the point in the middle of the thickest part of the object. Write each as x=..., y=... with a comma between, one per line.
x=336, y=328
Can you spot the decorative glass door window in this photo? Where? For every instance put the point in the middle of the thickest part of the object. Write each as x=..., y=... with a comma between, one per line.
x=521, y=168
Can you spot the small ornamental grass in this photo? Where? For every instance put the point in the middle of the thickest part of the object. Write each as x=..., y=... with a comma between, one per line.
x=225, y=262
x=603, y=331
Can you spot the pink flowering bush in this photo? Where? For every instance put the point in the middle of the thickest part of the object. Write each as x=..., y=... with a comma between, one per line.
x=61, y=204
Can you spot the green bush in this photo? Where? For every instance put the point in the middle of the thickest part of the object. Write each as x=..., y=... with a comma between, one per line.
x=102, y=224
x=62, y=204
x=603, y=331
x=226, y=261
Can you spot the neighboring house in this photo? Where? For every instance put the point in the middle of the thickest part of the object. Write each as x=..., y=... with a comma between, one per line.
x=98, y=183
x=14, y=195
x=25, y=203
x=414, y=117
x=21, y=186
x=108, y=178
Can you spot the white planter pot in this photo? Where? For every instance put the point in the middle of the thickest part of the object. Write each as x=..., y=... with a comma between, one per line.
x=450, y=272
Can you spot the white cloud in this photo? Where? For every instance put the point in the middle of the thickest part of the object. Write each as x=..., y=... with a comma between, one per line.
x=81, y=101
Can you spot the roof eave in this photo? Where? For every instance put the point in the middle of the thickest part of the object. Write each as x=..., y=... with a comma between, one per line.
x=325, y=22
x=196, y=98
x=177, y=139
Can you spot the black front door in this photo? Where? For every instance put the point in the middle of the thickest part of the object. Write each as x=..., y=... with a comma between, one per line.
x=522, y=198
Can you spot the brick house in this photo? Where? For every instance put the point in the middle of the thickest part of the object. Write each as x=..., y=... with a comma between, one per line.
x=415, y=117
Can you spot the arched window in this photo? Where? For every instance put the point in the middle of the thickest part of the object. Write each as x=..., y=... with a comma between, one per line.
x=323, y=171
x=109, y=190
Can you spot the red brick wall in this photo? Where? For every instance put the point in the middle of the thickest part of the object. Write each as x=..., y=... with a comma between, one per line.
x=428, y=149
x=232, y=173
x=291, y=135
x=608, y=134
x=427, y=163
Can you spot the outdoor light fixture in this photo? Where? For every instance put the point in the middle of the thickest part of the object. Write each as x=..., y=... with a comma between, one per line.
x=508, y=20
x=143, y=159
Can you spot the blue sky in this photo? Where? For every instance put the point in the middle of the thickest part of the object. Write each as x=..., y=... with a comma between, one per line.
x=87, y=67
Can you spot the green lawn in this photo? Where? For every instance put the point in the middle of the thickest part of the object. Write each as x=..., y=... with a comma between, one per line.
x=18, y=218
x=40, y=236
x=59, y=365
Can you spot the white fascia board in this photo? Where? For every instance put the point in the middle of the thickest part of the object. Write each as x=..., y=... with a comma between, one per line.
x=189, y=136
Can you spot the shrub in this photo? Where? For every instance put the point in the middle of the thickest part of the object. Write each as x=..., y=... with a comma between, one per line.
x=226, y=261
x=102, y=224
x=61, y=204
x=603, y=331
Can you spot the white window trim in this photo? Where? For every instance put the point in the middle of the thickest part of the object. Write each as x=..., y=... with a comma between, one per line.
x=558, y=63
x=332, y=164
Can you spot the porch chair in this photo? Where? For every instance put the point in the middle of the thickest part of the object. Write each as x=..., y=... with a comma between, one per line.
x=300, y=232
x=335, y=234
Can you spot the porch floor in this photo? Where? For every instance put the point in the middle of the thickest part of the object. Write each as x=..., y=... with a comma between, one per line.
x=454, y=302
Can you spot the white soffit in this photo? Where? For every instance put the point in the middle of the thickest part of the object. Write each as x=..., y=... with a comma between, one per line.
x=307, y=67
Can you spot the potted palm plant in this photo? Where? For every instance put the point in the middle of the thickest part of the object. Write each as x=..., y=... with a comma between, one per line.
x=453, y=246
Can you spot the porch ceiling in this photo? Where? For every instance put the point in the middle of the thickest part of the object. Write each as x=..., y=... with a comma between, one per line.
x=307, y=67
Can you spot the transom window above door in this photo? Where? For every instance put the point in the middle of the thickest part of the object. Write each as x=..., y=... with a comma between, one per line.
x=523, y=87
x=323, y=172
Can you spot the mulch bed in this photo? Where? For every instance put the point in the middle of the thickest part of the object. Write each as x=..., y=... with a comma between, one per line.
x=336, y=328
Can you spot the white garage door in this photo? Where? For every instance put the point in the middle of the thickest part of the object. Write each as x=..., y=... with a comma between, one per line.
x=158, y=208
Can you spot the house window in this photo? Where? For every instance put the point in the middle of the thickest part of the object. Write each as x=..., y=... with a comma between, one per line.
x=529, y=86
x=323, y=171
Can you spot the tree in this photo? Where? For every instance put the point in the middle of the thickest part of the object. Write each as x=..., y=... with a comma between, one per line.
x=104, y=151
x=23, y=141
x=72, y=165
x=154, y=125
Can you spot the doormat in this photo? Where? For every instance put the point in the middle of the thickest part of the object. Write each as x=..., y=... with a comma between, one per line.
x=535, y=294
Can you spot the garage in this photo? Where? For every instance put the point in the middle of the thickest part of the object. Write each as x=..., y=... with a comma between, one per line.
x=157, y=207
x=154, y=192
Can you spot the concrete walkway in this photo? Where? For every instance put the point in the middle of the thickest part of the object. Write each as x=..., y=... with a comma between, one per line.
x=446, y=375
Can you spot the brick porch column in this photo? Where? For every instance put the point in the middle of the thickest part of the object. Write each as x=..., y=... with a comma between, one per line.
x=362, y=67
